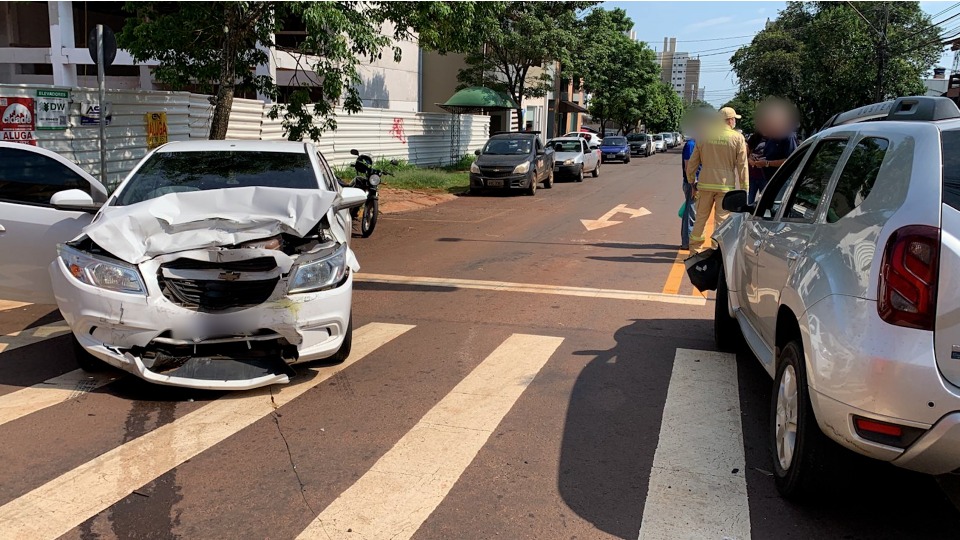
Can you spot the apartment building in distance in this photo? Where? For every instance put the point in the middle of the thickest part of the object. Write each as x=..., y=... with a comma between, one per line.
x=680, y=71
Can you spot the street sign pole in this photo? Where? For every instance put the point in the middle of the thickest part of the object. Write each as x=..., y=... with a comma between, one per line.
x=102, y=83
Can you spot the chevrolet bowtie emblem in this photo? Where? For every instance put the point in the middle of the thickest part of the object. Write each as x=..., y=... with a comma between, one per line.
x=229, y=276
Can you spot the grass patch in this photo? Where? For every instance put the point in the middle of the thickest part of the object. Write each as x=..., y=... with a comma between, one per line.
x=454, y=178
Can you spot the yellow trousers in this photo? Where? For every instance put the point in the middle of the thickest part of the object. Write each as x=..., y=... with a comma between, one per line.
x=707, y=201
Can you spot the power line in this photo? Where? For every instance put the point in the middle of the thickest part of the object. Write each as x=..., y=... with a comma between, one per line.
x=704, y=40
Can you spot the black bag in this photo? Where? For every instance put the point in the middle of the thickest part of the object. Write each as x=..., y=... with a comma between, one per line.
x=703, y=269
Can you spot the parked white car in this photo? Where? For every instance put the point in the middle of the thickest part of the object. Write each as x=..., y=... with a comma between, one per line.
x=843, y=281
x=215, y=264
x=573, y=158
x=659, y=144
x=591, y=138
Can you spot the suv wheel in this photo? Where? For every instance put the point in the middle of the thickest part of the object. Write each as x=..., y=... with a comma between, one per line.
x=726, y=329
x=796, y=442
x=548, y=183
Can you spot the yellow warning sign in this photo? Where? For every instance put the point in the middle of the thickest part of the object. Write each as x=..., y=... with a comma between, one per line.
x=156, y=129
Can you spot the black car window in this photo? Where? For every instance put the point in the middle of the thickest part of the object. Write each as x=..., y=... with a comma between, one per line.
x=950, y=145
x=172, y=172
x=567, y=146
x=857, y=178
x=507, y=147
x=772, y=197
x=812, y=183
x=32, y=178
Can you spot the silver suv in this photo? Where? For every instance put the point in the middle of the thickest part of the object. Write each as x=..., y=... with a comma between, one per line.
x=842, y=279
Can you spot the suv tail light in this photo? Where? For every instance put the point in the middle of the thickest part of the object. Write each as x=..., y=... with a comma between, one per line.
x=908, y=277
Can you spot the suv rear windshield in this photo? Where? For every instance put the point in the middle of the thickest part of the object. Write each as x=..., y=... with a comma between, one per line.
x=174, y=172
x=951, y=167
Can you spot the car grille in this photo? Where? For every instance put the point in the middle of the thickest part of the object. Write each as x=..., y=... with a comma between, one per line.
x=218, y=294
x=496, y=172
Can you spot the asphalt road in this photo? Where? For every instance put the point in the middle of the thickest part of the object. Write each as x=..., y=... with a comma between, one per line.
x=515, y=375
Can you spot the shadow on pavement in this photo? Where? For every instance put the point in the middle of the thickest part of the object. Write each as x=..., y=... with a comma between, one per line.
x=613, y=425
x=659, y=257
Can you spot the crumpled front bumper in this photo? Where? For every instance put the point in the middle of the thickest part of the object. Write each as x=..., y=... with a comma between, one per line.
x=114, y=326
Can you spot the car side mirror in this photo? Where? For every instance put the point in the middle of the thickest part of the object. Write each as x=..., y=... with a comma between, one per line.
x=74, y=200
x=476, y=152
x=595, y=147
x=351, y=197
x=354, y=152
x=736, y=201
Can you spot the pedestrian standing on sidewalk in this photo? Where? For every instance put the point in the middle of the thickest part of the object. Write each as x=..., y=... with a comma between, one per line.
x=689, y=214
x=722, y=153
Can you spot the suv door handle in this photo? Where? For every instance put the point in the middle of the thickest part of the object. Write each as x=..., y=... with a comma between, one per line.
x=792, y=255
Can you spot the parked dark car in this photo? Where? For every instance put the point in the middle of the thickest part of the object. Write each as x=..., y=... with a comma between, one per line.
x=615, y=148
x=511, y=161
x=641, y=144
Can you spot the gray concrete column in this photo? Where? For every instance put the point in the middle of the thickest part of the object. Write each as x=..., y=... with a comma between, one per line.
x=61, y=36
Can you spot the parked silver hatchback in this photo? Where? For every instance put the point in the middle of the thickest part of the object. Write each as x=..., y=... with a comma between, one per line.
x=842, y=279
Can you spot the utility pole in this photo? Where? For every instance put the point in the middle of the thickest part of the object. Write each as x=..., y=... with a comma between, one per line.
x=881, y=54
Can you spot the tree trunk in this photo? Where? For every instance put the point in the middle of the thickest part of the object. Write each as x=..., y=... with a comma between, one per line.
x=520, y=119
x=224, y=101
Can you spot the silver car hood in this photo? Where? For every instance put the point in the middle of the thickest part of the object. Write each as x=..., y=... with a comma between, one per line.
x=203, y=219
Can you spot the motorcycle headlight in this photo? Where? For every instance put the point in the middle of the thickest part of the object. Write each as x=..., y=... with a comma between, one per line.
x=322, y=273
x=374, y=179
x=474, y=169
x=568, y=162
x=108, y=274
x=522, y=168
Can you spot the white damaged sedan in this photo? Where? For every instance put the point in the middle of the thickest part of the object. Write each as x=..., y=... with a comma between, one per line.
x=215, y=264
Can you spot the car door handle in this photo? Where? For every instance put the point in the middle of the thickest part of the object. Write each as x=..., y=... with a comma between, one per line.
x=792, y=255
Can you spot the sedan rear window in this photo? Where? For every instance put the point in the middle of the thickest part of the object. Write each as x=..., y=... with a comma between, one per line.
x=951, y=167
x=614, y=141
x=175, y=172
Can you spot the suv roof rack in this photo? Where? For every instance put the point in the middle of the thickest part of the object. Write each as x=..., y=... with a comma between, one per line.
x=913, y=108
x=516, y=132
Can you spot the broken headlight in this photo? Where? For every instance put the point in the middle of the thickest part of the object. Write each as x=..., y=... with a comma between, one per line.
x=108, y=274
x=322, y=273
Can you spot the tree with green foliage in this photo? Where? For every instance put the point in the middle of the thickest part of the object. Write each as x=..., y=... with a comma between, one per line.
x=746, y=107
x=829, y=57
x=521, y=39
x=617, y=72
x=215, y=46
x=697, y=104
x=664, y=109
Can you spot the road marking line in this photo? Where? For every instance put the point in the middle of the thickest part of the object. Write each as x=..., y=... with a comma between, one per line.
x=604, y=220
x=452, y=283
x=697, y=484
x=677, y=272
x=15, y=340
x=50, y=392
x=402, y=489
x=58, y=506
x=10, y=304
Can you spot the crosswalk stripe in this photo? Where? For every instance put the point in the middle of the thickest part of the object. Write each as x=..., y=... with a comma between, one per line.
x=10, y=304
x=15, y=340
x=58, y=506
x=402, y=489
x=50, y=392
x=536, y=288
x=697, y=485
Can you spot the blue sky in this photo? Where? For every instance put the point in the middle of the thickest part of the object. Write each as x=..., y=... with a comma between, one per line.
x=727, y=25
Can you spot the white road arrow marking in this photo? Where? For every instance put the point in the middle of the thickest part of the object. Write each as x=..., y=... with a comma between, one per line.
x=604, y=221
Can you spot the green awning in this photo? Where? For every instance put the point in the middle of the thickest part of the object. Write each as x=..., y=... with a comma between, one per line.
x=478, y=99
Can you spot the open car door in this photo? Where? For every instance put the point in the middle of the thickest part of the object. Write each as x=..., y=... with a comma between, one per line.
x=31, y=225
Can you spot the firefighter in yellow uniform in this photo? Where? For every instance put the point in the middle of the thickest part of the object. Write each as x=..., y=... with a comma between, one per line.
x=722, y=156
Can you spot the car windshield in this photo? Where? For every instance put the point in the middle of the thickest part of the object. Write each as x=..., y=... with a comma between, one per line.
x=507, y=147
x=635, y=137
x=565, y=146
x=174, y=172
x=658, y=137
x=614, y=141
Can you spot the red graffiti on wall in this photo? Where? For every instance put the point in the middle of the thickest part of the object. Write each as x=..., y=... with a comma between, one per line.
x=397, y=130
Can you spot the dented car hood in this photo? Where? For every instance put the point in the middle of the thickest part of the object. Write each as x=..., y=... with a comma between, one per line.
x=204, y=219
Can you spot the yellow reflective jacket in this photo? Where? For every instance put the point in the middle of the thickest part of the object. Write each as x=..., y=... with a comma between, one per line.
x=723, y=157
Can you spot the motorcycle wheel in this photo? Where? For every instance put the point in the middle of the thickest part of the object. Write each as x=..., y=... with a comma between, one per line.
x=369, y=219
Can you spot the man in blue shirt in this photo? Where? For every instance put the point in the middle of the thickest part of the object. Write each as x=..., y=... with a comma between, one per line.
x=689, y=214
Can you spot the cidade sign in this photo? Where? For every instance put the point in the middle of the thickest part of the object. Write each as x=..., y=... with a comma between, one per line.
x=17, y=121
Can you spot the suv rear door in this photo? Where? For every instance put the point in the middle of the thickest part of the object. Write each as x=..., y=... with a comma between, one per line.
x=30, y=227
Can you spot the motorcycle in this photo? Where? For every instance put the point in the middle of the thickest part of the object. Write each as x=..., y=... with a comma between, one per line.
x=367, y=179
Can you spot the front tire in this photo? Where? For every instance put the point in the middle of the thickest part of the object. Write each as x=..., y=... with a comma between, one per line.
x=726, y=329
x=369, y=220
x=797, y=445
x=579, y=177
x=85, y=360
x=341, y=355
x=532, y=190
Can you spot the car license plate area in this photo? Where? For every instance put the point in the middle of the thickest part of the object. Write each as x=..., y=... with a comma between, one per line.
x=608, y=155
x=494, y=183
